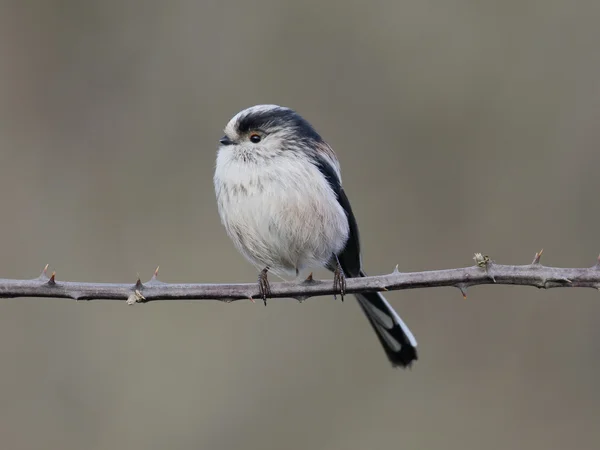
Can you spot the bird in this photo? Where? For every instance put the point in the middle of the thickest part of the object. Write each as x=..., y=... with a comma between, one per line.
x=280, y=198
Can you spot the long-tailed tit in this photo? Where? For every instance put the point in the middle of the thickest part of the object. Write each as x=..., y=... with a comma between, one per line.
x=280, y=198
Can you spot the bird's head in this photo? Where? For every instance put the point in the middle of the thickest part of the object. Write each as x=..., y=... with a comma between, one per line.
x=267, y=131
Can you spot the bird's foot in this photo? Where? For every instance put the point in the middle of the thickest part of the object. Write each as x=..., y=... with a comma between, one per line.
x=264, y=289
x=339, y=281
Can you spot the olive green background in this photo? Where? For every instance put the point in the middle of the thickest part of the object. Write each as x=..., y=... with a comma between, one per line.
x=461, y=127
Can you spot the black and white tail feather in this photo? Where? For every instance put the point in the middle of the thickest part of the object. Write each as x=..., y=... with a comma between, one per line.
x=396, y=338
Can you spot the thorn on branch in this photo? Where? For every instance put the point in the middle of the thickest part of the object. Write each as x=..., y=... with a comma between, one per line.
x=138, y=283
x=52, y=280
x=154, y=279
x=395, y=271
x=44, y=275
x=536, y=259
x=597, y=265
x=309, y=279
x=463, y=290
x=559, y=280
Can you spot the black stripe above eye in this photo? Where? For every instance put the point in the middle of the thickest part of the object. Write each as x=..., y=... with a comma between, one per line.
x=263, y=120
x=276, y=119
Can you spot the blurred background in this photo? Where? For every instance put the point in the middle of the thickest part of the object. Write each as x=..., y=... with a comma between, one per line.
x=461, y=127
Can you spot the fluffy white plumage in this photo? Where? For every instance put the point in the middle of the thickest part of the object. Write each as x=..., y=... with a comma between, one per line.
x=278, y=213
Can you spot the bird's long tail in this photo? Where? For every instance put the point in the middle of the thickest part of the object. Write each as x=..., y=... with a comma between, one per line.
x=398, y=342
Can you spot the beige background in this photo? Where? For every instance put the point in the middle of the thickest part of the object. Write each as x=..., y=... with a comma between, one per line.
x=461, y=127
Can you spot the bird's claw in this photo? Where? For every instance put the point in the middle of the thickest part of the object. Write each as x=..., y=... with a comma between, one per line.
x=339, y=282
x=264, y=288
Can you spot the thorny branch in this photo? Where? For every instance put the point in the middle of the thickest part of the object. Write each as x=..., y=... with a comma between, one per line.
x=485, y=271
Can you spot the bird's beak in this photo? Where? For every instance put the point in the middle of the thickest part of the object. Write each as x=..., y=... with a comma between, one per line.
x=225, y=141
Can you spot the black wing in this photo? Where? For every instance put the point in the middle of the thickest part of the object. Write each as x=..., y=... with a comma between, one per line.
x=349, y=257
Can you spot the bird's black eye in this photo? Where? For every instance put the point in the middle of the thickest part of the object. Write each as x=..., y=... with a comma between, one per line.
x=255, y=138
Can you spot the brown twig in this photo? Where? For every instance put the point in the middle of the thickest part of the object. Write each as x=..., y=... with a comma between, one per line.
x=485, y=271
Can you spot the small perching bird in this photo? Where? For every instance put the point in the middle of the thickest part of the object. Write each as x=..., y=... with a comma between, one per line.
x=280, y=197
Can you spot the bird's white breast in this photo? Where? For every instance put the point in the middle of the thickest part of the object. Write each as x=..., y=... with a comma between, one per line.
x=279, y=212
